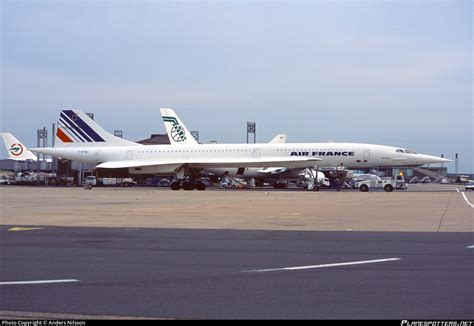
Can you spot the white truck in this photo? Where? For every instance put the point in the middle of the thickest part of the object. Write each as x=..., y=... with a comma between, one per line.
x=312, y=179
x=387, y=184
x=123, y=182
x=90, y=182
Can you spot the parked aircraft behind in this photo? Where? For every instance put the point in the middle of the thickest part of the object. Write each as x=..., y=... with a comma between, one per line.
x=178, y=134
x=80, y=138
x=16, y=150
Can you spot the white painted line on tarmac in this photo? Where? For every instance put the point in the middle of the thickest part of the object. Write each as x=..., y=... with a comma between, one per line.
x=39, y=282
x=470, y=247
x=322, y=266
x=465, y=198
x=24, y=229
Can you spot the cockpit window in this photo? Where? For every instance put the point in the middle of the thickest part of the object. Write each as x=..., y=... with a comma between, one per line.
x=409, y=151
x=399, y=150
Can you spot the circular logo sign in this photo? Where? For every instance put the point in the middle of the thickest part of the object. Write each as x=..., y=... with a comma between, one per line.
x=16, y=149
x=178, y=134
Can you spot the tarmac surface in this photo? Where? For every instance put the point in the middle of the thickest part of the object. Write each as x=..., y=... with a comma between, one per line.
x=237, y=274
x=426, y=208
x=113, y=253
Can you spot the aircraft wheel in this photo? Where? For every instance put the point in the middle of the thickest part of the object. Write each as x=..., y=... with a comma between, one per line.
x=200, y=186
x=188, y=185
x=176, y=185
x=279, y=185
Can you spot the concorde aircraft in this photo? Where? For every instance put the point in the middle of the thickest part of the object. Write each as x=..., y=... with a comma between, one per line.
x=179, y=134
x=80, y=138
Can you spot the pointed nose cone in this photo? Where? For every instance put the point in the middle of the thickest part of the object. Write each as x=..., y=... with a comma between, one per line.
x=435, y=159
x=444, y=160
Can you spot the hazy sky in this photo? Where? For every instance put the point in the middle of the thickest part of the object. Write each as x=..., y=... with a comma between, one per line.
x=384, y=72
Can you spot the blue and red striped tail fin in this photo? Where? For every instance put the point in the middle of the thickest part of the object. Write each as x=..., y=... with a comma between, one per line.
x=76, y=128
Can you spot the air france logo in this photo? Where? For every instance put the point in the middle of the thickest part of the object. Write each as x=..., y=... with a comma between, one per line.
x=16, y=149
x=331, y=153
x=177, y=132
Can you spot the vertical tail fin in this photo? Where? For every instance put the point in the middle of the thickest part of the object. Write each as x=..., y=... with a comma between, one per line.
x=279, y=139
x=75, y=128
x=176, y=130
x=16, y=150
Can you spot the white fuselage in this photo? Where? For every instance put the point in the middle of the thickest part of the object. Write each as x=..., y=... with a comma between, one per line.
x=349, y=155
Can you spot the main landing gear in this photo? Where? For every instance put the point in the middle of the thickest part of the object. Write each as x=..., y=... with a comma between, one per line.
x=188, y=179
x=188, y=184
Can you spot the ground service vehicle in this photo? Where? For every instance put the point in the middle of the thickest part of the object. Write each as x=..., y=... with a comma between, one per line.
x=90, y=182
x=400, y=182
x=385, y=184
x=124, y=182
